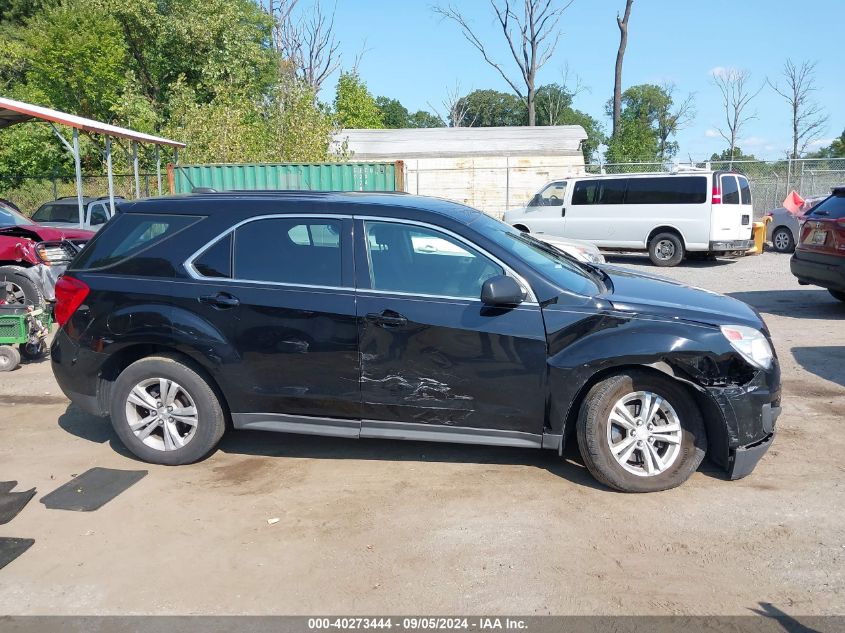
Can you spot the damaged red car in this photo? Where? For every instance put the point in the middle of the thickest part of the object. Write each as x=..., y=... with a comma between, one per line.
x=32, y=257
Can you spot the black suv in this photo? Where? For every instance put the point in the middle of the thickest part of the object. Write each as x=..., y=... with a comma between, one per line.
x=395, y=316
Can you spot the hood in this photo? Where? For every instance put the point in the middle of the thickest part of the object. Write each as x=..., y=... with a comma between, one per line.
x=40, y=233
x=650, y=294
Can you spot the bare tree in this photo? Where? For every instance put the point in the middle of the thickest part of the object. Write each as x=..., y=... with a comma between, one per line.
x=736, y=96
x=455, y=108
x=808, y=117
x=555, y=102
x=308, y=43
x=622, y=23
x=531, y=37
x=670, y=120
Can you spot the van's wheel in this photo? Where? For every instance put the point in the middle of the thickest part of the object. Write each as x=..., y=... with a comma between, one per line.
x=666, y=249
x=18, y=289
x=640, y=432
x=9, y=358
x=165, y=412
x=782, y=240
x=837, y=294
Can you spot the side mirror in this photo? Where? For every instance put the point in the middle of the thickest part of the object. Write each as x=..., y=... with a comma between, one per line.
x=502, y=291
x=536, y=201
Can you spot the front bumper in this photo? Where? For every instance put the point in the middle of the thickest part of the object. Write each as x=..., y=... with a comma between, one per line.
x=723, y=246
x=744, y=458
x=827, y=271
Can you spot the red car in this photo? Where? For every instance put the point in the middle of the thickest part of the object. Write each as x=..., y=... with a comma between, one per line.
x=33, y=256
x=819, y=257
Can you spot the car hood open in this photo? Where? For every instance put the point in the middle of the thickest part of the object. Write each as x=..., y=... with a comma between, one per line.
x=41, y=233
x=649, y=294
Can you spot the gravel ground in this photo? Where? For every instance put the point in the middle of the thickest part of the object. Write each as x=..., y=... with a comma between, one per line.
x=390, y=527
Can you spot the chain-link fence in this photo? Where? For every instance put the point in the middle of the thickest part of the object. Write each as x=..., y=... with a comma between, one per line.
x=34, y=192
x=770, y=181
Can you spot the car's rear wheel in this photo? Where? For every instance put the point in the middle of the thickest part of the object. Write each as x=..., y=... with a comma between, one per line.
x=18, y=289
x=783, y=240
x=837, y=294
x=166, y=412
x=640, y=432
x=666, y=249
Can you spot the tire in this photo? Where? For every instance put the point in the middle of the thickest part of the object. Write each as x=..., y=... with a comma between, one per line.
x=596, y=432
x=9, y=358
x=31, y=352
x=17, y=288
x=837, y=294
x=666, y=249
x=197, y=440
x=782, y=240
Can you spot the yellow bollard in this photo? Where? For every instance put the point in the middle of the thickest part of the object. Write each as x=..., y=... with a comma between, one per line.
x=759, y=235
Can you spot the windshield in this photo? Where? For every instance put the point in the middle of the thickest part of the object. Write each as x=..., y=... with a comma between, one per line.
x=10, y=217
x=552, y=264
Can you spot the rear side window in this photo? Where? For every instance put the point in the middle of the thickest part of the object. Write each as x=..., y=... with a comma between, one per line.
x=744, y=190
x=585, y=192
x=129, y=237
x=289, y=250
x=216, y=260
x=612, y=191
x=832, y=207
x=730, y=190
x=667, y=190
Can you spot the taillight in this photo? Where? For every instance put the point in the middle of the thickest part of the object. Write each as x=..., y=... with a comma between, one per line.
x=70, y=293
x=717, y=193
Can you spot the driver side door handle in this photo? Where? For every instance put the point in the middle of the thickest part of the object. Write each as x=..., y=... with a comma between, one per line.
x=387, y=318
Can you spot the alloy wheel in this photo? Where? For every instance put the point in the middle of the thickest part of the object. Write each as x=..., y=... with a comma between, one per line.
x=665, y=250
x=162, y=414
x=781, y=240
x=14, y=293
x=644, y=433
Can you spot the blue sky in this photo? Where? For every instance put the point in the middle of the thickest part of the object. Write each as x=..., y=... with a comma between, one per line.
x=415, y=56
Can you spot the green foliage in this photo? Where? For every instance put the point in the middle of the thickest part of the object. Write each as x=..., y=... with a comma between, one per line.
x=395, y=115
x=737, y=155
x=18, y=11
x=422, y=118
x=491, y=108
x=647, y=124
x=354, y=106
x=835, y=150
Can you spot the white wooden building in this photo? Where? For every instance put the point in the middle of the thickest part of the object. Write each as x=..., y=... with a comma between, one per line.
x=490, y=168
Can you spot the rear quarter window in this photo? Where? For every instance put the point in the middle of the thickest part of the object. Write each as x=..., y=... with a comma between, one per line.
x=124, y=245
x=832, y=207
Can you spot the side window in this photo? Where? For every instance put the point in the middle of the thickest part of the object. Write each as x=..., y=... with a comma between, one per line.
x=613, y=191
x=216, y=260
x=744, y=190
x=417, y=260
x=98, y=215
x=551, y=196
x=730, y=190
x=289, y=250
x=667, y=190
x=585, y=192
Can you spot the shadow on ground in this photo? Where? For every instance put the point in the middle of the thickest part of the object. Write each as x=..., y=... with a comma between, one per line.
x=824, y=362
x=639, y=259
x=800, y=304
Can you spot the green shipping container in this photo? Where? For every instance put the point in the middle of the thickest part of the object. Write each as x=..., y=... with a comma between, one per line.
x=298, y=176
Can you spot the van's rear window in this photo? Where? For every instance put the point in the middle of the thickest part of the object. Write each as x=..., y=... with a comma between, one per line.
x=127, y=236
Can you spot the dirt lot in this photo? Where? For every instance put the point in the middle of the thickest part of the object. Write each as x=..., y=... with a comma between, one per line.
x=389, y=528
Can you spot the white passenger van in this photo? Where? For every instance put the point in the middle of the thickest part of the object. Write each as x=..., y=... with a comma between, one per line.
x=668, y=214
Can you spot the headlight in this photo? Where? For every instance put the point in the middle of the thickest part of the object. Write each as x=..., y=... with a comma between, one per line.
x=750, y=343
x=591, y=257
x=53, y=253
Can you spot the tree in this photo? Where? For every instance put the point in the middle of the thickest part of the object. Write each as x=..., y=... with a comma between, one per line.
x=808, y=118
x=307, y=43
x=531, y=37
x=647, y=122
x=422, y=119
x=491, y=108
x=622, y=23
x=354, y=105
x=836, y=149
x=727, y=155
x=734, y=86
x=394, y=114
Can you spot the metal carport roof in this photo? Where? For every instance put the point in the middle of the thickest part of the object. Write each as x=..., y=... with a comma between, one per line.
x=13, y=112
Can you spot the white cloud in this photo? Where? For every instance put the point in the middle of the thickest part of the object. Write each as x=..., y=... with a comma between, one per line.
x=753, y=141
x=821, y=142
x=719, y=71
x=711, y=133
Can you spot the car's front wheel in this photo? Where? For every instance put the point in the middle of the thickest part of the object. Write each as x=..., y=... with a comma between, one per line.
x=640, y=432
x=166, y=412
x=782, y=240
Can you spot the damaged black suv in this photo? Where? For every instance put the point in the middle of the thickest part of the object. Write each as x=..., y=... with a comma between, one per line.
x=395, y=316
